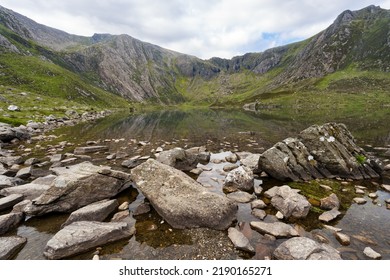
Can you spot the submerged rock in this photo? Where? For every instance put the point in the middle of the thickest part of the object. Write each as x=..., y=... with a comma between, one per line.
x=288, y=201
x=303, y=248
x=77, y=186
x=325, y=151
x=82, y=236
x=241, y=197
x=180, y=200
x=10, y=245
x=277, y=229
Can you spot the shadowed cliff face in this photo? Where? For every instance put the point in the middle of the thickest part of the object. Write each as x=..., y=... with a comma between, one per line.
x=141, y=71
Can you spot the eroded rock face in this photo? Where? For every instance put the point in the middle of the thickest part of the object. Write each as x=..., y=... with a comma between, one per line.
x=77, y=186
x=303, y=248
x=180, y=200
x=82, y=236
x=325, y=151
x=288, y=201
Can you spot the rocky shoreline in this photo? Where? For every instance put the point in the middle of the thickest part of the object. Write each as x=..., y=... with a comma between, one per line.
x=190, y=189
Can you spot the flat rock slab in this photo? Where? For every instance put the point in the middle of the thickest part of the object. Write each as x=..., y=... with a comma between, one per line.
x=180, y=200
x=97, y=211
x=329, y=215
x=239, y=240
x=277, y=229
x=10, y=201
x=82, y=236
x=303, y=248
x=10, y=221
x=29, y=191
x=10, y=245
x=89, y=149
x=241, y=197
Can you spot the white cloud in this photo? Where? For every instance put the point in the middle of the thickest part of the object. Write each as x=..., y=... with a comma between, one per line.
x=199, y=27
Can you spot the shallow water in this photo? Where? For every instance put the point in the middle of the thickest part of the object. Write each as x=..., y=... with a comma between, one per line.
x=220, y=131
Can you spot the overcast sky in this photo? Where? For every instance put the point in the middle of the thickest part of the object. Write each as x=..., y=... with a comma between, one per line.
x=204, y=28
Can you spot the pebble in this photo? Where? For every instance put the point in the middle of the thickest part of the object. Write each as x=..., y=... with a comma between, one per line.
x=258, y=190
x=258, y=204
x=325, y=187
x=196, y=171
x=258, y=213
x=279, y=215
x=370, y=253
x=124, y=206
x=359, y=191
x=359, y=200
x=332, y=228
x=344, y=239
x=373, y=195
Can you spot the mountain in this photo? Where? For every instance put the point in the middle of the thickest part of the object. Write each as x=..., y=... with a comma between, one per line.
x=354, y=50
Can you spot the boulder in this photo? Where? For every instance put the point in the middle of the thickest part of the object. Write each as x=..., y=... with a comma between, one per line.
x=329, y=215
x=277, y=229
x=184, y=160
x=239, y=240
x=288, y=201
x=77, y=186
x=303, y=248
x=325, y=151
x=97, y=211
x=10, y=201
x=251, y=161
x=82, y=236
x=8, y=133
x=180, y=200
x=10, y=221
x=240, y=178
x=330, y=202
x=29, y=191
x=11, y=245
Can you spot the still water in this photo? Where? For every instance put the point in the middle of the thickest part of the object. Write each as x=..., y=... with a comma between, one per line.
x=220, y=131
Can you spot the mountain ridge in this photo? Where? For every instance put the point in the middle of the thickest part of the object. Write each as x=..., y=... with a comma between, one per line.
x=140, y=71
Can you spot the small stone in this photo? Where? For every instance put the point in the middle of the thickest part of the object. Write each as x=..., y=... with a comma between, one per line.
x=111, y=157
x=124, y=206
x=239, y=240
x=159, y=150
x=360, y=187
x=386, y=187
x=325, y=187
x=13, y=108
x=330, y=202
x=142, y=209
x=344, y=239
x=232, y=158
x=229, y=167
x=279, y=215
x=387, y=201
x=196, y=171
x=332, y=228
x=241, y=197
x=95, y=258
x=373, y=195
x=258, y=213
x=258, y=204
x=359, y=200
x=258, y=190
x=329, y=215
x=359, y=191
x=370, y=253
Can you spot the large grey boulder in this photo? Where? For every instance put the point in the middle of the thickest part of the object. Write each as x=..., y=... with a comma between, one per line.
x=184, y=160
x=10, y=201
x=97, y=211
x=325, y=151
x=303, y=248
x=240, y=178
x=8, y=133
x=288, y=201
x=11, y=245
x=29, y=191
x=180, y=200
x=277, y=229
x=82, y=236
x=77, y=186
x=10, y=221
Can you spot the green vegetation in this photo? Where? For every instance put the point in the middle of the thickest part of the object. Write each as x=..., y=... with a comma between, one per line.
x=360, y=158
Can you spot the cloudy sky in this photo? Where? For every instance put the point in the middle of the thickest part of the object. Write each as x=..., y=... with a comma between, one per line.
x=204, y=28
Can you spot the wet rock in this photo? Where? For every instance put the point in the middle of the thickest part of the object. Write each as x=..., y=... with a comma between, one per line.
x=28, y=191
x=10, y=246
x=335, y=229
x=258, y=204
x=373, y=195
x=184, y=160
x=231, y=158
x=277, y=229
x=330, y=202
x=77, y=186
x=288, y=202
x=344, y=239
x=240, y=178
x=143, y=208
x=241, y=197
x=258, y=213
x=303, y=248
x=10, y=221
x=180, y=200
x=329, y=215
x=239, y=240
x=370, y=253
x=359, y=200
x=230, y=167
x=97, y=211
x=82, y=236
x=251, y=161
x=89, y=149
x=10, y=201
x=121, y=216
x=325, y=151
